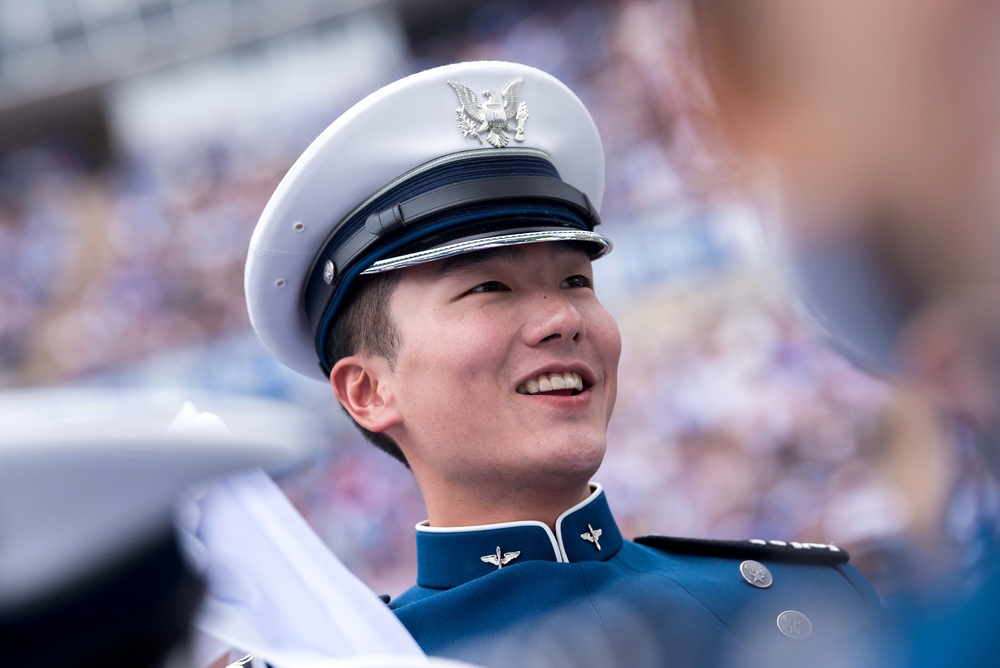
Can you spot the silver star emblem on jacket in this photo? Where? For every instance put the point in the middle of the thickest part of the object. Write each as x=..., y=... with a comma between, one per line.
x=493, y=115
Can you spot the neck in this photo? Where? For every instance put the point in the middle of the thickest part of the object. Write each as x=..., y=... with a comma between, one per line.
x=482, y=505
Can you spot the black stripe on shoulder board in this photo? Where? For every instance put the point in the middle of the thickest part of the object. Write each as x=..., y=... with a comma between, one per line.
x=814, y=553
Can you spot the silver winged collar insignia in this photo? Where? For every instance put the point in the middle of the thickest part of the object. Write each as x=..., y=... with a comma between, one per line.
x=593, y=535
x=500, y=559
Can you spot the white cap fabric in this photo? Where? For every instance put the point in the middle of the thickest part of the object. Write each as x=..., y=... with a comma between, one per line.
x=382, y=187
x=88, y=475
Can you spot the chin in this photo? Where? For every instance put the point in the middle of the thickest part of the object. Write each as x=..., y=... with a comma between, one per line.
x=580, y=457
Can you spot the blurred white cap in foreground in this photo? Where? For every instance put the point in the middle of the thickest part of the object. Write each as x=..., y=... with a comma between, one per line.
x=88, y=475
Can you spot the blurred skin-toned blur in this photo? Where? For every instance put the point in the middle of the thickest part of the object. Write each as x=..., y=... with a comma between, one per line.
x=869, y=131
x=874, y=124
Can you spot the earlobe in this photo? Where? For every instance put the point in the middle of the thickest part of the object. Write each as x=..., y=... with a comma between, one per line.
x=362, y=388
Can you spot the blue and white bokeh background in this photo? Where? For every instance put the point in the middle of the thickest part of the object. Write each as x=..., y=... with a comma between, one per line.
x=140, y=140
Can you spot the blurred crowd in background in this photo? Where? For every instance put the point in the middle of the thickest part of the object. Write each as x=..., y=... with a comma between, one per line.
x=734, y=419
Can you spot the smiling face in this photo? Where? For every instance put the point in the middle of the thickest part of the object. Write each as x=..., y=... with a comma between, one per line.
x=507, y=371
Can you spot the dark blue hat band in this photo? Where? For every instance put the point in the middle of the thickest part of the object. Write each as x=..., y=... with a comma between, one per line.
x=483, y=196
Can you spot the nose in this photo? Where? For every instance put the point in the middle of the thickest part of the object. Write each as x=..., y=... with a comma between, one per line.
x=554, y=317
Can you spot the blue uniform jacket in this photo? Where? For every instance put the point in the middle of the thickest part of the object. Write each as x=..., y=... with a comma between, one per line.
x=515, y=594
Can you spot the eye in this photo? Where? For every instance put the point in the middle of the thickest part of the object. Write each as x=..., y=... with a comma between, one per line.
x=577, y=281
x=489, y=286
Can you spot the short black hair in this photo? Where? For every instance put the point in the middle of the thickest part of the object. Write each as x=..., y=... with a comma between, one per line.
x=365, y=327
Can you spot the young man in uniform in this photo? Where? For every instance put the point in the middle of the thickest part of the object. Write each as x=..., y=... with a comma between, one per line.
x=430, y=257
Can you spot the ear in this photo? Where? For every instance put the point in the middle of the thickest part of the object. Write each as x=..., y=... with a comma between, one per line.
x=362, y=384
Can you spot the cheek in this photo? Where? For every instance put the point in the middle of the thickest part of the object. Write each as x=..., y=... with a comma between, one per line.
x=604, y=332
x=454, y=353
x=615, y=352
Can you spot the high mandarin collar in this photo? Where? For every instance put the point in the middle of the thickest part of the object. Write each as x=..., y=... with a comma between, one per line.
x=451, y=556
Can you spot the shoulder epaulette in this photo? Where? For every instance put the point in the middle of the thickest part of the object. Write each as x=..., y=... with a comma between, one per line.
x=816, y=553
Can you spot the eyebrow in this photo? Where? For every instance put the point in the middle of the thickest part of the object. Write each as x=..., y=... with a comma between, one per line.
x=513, y=253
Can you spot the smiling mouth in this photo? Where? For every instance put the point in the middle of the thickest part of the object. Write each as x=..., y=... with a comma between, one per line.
x=565, y=384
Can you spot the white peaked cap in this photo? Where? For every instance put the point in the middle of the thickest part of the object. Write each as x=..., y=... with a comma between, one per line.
x=300, y=263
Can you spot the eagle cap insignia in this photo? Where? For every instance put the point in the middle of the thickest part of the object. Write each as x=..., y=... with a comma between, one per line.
x=493, y=115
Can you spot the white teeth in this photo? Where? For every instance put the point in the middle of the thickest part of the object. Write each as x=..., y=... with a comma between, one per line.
x=552, y=381
x=573, y=381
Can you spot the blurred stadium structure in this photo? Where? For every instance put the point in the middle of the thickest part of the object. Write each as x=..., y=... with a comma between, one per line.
x=140, y=140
